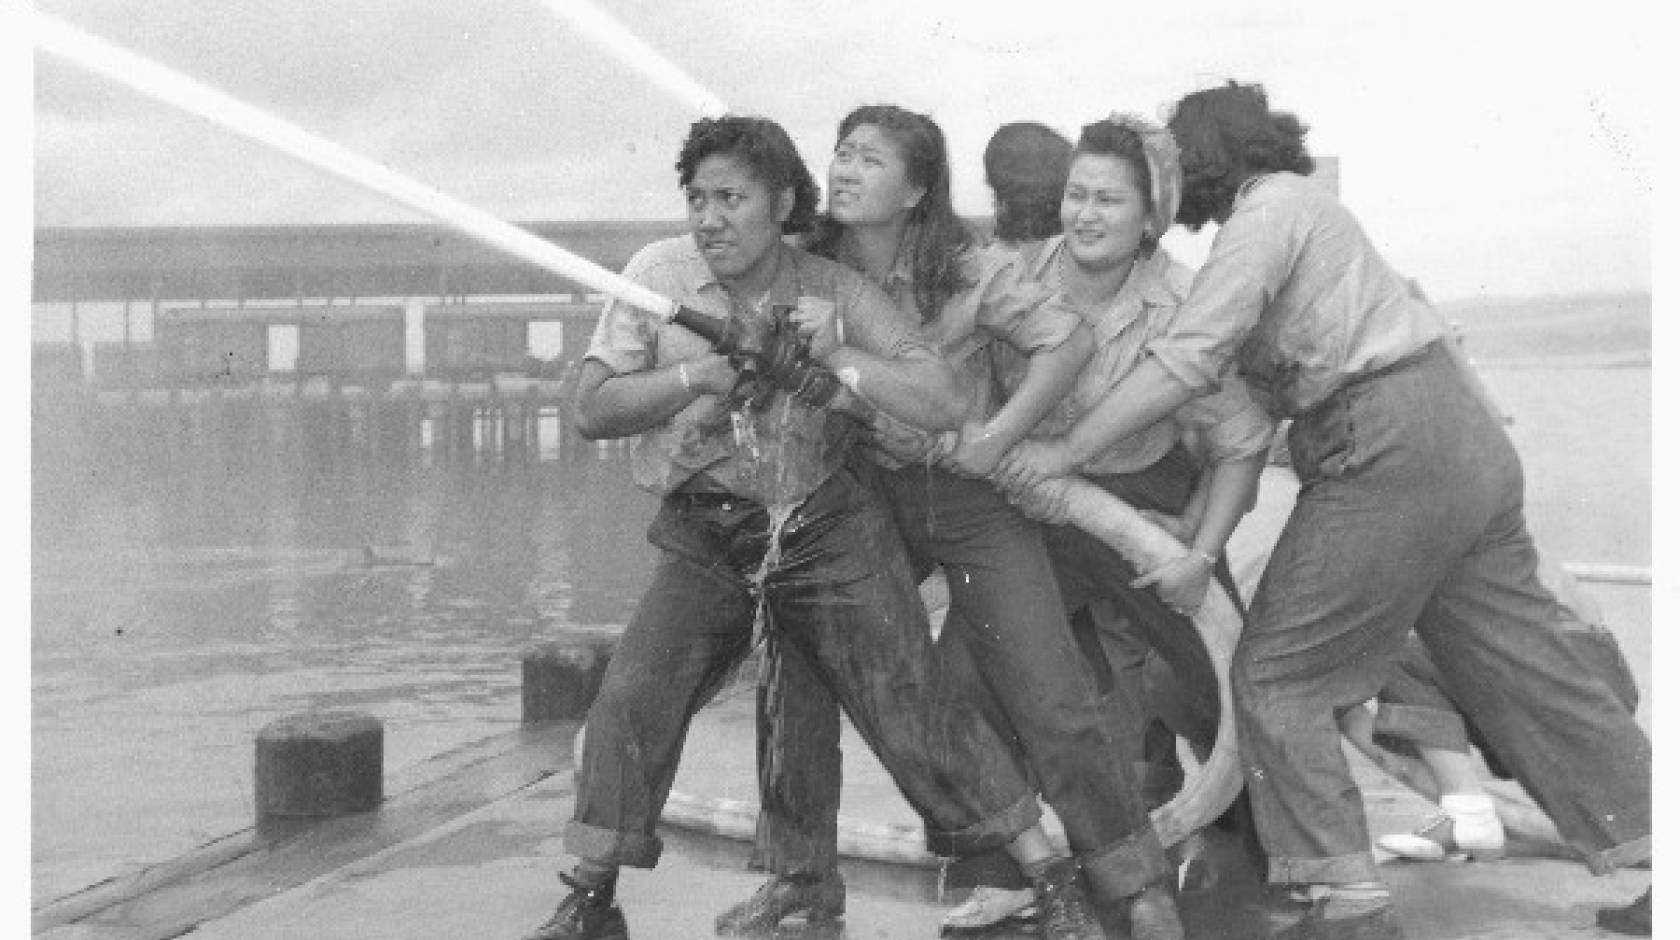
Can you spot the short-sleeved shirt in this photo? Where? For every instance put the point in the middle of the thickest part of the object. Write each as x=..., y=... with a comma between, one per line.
x=1295, y=294
x=778, y=455
x=999, y=305
x=1228, y=423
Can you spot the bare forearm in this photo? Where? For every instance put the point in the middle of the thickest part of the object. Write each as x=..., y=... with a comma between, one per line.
x=1146, y=395
x=1050, y=375
x=619, y=405
x=1231, y=492
x=924, y=393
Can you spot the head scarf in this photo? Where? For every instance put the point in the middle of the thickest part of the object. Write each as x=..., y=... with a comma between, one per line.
x=1166, y=180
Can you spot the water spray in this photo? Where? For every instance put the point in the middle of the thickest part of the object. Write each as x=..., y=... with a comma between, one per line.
x=173, y=88
x=609, y=33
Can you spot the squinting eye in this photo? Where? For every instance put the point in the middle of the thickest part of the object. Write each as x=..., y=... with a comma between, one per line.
x=733, y=200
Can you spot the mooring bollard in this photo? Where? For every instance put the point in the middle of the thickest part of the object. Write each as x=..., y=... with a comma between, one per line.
x=320, y=764
x=561, y=678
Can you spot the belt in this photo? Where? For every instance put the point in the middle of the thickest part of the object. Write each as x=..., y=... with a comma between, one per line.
x=701, y=490
x=1410, y=359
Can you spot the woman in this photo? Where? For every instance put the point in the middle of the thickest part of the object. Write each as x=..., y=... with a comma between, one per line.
x=829, y=575
x=890, y=217
x=1416, y=717
x=1410, y=516
x=1026, y=167
x=1120, y=196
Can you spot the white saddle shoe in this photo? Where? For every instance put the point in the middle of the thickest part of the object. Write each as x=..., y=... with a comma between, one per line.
x=1469, y=829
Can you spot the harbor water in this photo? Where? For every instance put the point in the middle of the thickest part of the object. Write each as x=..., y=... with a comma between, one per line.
x=183, y=597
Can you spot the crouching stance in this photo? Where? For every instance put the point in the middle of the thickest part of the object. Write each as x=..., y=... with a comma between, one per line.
x=762, y=524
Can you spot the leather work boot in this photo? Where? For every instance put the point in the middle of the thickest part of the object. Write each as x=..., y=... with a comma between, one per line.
x=1065, y=913
x=819, y=899
x=1154, y=915
x=988, y=907
x=588, y=913
x=1380, y=924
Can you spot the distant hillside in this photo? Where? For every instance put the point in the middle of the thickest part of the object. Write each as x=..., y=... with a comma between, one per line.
x=1580, y=325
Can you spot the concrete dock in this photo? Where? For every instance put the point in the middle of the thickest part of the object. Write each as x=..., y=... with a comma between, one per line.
x=467, y=845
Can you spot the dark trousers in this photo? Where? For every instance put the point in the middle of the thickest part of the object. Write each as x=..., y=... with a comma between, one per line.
x=1415, y=711
x=1006, y=636
x=1410, y=515
x=840, y=601
x=1148, y=657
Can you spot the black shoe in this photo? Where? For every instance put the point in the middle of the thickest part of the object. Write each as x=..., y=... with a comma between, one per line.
x=1064, y=911
x=1634, y=919
x=588, y=913
x=819, y=899
x=1379, y=924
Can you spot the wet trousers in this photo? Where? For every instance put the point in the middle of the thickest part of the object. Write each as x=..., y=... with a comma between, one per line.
x=840, y=601
x=1006, y=637
x=1410, y=516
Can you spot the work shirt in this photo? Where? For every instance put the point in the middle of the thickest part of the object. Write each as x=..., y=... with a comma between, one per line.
x=1228, y=423
x=782, y=453
x=1000, y=304
x=1295, y=294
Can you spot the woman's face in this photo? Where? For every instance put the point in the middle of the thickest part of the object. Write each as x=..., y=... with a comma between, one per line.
x=867, y=181
x=1104, y=211
x=736, y=220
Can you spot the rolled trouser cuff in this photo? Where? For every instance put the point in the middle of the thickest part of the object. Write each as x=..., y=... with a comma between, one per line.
x=1336, y=870
x=610, y=847
x=1124, y=867
x=993, y=832
x=1626, y=855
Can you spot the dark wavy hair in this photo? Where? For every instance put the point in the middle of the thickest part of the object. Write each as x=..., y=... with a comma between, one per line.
x=1024, y=216
x=768, y=153
x=1226, y=134
x=1026, y=166
x=940, y=239
x=1108, y=139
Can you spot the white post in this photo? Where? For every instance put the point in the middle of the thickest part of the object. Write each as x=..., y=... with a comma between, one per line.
x=414, y=336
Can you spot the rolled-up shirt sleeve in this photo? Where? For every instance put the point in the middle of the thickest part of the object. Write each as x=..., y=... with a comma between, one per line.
x=875, y=324
x=1251, y=259
x=1229, y=422
x=1016, y=308
x=626, y=337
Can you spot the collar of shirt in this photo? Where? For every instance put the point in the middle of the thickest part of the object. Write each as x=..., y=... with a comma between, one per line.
x=900, y=276
x=695, y=274
x=1148, y=285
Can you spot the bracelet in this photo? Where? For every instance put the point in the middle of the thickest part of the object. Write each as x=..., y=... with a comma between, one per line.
x=682, y=373
x=1211, y=561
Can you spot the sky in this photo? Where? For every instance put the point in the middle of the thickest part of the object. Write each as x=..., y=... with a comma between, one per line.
x=1490, y=149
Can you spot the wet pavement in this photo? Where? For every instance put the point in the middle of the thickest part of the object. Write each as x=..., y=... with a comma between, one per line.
x=471, y=851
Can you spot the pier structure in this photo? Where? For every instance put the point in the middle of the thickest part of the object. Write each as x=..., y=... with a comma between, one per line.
x=391, y=339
